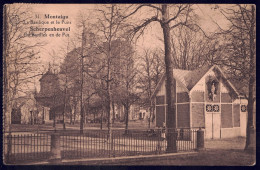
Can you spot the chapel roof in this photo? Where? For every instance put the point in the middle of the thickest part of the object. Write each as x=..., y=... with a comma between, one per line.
x=189, y=78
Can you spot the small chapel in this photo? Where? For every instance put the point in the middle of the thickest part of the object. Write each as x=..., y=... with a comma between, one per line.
x=205, y=99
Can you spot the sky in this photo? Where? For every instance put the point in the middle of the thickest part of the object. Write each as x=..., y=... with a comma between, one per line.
x=55, y=45
x=205, y=13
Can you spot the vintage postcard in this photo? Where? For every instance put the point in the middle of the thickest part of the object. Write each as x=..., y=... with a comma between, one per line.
x=129, y=84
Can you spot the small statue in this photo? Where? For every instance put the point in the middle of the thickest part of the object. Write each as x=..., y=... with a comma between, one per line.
x=212, y=90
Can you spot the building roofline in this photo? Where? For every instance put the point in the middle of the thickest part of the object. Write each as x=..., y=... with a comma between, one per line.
x=157, y=86
x=187, y=90
x=210, y=69
x=232, y=86
x=160, y=82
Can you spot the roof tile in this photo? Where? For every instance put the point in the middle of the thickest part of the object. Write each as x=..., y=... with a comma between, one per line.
x=189, y=78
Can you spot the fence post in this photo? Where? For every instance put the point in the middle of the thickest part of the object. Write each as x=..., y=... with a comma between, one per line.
x=171, y=140
x=112, y=144
x=158, y=142
x=9, y=148
x=55, y=148
x=200, y=139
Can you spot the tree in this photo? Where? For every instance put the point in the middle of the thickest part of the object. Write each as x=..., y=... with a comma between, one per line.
x=190, y=48
x=20, y=58
x=65, y=87
x=126, y=78
x=237, y=50
x=169, y=17
x=150, y=71
x=77, y=64
x=110, y=27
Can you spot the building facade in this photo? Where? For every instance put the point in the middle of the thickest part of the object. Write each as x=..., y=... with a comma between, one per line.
x=204, y=99
x=51, y=97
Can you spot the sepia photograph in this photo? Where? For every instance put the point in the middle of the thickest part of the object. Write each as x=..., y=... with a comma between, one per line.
x=129, y=84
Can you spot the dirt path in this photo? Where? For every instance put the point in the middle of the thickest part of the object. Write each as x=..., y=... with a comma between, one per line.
x=225, y=152
x=231, y=143
x=204, y=158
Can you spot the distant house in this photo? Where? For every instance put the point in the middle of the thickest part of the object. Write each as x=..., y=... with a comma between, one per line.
x=205, y=99
x=119, y=112
x=143, y=114
x=29, y=112
x=135, y=112
x=25, y=110
x=16, y=115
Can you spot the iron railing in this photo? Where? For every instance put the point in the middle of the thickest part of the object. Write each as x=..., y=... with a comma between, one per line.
x=26, y=147
x=94, y=144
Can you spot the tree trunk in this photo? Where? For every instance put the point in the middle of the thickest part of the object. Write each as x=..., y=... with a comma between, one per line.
x=126, y=119
x=53, y=112
x=113, y=105
x=84, y=114
x=109, y=123
x=64, y=109
x=170, y=84
x=87, y=111
x=71, y=116
x=81, y=111
x=110, y=113
x=109, y=104
x=250, y=106
x=54, y=119
x=250, y=124
x=150, y=117
x=101, y=122
x=149, y=120
x=109, y=95
x=63, y=119
x=153, y=108
x=81, y=83
x=43, y=121
x=75, y=107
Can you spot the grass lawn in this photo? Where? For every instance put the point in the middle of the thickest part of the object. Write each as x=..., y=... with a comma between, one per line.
x=139, y=124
